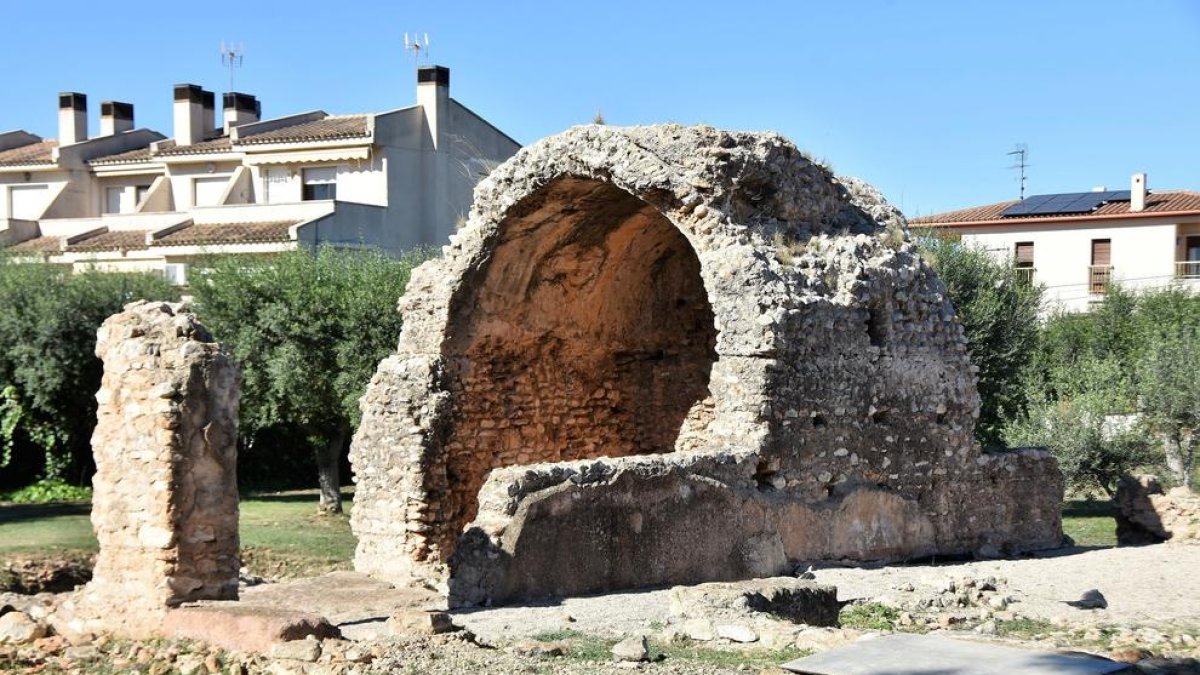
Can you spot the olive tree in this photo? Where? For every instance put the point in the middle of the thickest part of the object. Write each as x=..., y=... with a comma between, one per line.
x=308, y=328
x=49, y=373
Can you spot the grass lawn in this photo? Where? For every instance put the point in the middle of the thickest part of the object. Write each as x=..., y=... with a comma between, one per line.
x=1089, y=523
x=282, y=535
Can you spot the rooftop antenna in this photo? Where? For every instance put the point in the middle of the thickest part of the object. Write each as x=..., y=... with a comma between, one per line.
x=418, y=45
x=1021, y=155
x=232, y=55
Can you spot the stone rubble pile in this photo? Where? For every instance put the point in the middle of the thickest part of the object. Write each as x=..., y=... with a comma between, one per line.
x=1146, y=514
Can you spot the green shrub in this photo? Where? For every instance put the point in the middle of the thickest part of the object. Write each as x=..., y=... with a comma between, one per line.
x=869, y=616
x=46, y=491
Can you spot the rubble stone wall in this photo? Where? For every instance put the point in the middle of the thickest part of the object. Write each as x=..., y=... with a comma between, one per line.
x=1146, y=514
x=689, y=291
x=165, y=500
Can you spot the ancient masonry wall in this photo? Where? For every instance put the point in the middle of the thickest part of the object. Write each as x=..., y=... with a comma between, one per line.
x=165, y=501
x=653, y=340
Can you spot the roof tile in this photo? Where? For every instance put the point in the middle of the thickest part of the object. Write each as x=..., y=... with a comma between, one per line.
x=37, y=245
x=218, y=144
x=328, y=129
x=113, y=240
x=136, y=155
x=1156, y=202
x=34, y=153
x=229, y=233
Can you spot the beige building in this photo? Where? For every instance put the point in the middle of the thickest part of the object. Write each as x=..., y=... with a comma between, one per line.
x=134, y=199
x=1076, y=244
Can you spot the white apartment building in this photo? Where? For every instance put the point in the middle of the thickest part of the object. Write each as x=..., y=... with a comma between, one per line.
x=1076, y=244
x=132, y=199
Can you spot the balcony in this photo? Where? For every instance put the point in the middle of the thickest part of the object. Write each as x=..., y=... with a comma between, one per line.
x=1187, y=269
x=1025, y=274
x=1099, y=276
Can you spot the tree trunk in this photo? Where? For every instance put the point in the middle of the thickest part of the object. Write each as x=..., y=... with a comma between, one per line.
x=1177, y=463
x=329, y=473
x=1189, y=459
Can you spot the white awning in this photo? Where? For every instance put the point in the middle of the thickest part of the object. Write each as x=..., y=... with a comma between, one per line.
x=310, y=156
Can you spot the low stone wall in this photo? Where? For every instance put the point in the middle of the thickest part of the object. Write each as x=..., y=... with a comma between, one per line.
x=1147, y=515
x=165, y=501
x=581, y=527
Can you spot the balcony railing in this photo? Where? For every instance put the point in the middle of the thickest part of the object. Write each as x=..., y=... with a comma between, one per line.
x=1187, y=269
x=1099, y=276
x=1025, y=274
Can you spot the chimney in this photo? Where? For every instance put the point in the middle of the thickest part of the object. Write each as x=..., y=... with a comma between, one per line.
x=433, y=95
x=115, y=117
x=72, y=117
x=240, y=109
x=1137, y=193
x=193, y=114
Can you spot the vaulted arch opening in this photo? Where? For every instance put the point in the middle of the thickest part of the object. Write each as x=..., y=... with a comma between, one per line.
x=588, y=332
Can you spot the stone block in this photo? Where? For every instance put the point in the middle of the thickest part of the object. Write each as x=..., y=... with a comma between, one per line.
x=795, y=600
x=245, y=628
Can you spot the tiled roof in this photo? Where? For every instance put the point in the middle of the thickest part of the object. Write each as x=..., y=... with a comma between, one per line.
x=128, y=157
x=218, y=144
x=113, y=240
x=37, y=245
x=328, y=129
x=34, y=153
x=229, y=233
x=1156, y=202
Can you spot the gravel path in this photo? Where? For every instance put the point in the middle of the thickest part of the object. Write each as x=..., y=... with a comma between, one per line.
x=1148, y=584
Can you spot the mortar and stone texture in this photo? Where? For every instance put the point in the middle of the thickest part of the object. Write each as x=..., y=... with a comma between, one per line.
x=165, y=499
x=664, y=355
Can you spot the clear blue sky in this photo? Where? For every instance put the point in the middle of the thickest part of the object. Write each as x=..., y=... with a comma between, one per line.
x=921, y=98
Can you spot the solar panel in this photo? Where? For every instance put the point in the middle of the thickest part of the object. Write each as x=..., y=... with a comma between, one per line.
x=1071, y=202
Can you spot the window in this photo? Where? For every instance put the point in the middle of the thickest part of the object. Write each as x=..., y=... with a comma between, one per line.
x=112, y=199
x=26, y=202
x=208, y=191
x=1023, y=260
x=140, y=194
x=1100, y=272
x=320, y=183
x=1189, y=267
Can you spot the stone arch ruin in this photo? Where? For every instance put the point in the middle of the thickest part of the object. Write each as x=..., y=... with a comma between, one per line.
x=676, y=354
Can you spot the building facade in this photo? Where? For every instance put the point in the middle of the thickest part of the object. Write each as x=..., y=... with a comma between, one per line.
x=133, y=199
x=1077, y=244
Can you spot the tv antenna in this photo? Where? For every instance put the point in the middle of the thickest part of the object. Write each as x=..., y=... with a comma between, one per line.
x=1021, y=155
x=232, y=55
x=418, y=45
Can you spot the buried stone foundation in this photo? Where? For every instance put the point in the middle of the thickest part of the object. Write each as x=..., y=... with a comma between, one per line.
x=165, y=500
x=665, y=355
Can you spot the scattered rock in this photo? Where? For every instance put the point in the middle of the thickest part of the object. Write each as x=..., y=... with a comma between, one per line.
x=420, y=622
x=1091, y=599
x=17, y=628
x=796, y=600
x=737, y=632
x=297, y=650
x=536, y=648
x=81, y=653
x=634, y=648
x=700, y=630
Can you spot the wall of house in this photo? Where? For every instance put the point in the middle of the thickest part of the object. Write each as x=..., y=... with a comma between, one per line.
x=183, y=175
x=403, y=141
x=1143, y=255
x=52, y=182
x=128, y=186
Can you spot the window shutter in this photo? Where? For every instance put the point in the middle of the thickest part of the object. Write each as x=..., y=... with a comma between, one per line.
x=1101, y=252
x=1025, y=254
